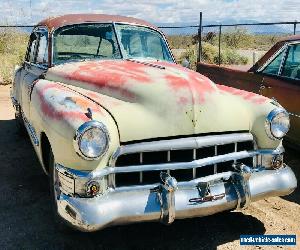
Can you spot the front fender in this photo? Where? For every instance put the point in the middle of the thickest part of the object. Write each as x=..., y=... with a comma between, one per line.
x=58, y=111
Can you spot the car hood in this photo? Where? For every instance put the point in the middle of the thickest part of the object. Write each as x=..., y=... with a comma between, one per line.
x=158, y=99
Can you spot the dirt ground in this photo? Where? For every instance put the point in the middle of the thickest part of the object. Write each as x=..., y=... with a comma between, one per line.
x=26, y=220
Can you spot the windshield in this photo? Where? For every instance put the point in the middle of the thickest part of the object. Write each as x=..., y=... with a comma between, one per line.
x=85, y=42
x=99, y=41
x=142, y=43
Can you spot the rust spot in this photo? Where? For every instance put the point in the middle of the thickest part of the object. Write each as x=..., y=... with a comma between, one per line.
x=52, y=105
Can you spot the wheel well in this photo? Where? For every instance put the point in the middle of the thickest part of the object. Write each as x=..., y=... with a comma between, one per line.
x=46, y=147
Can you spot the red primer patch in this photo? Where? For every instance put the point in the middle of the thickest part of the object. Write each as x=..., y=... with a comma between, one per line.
x=54, y=114
x=198, y=88
x=114, y=76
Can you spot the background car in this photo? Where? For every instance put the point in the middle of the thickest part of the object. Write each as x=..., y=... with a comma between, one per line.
x=276, y=75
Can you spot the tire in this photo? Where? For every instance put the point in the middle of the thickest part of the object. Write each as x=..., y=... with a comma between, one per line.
x=54, y=192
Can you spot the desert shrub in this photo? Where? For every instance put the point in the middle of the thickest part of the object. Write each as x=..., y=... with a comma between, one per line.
x=191, y=55
x=12, y=50
x=229, y=56
x=210, y=54
x=180, y=41
x=239, y=38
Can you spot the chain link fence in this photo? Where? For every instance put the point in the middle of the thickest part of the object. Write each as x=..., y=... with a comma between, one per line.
x=242, y=44
x=228, y=44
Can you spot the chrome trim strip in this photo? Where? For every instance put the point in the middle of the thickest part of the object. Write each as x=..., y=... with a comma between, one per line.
x=113, y=23
x=292, y=114
x=172, y=166
x=284, y=47
x=31, y=131
x=269, y=120
x=14, y=101
x=81, y=130
x=182, y=143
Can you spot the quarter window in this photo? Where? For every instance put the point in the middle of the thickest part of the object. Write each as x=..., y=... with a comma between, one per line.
x=273, y=67
x=30, y=57
x=42, y=52
x=291, y=67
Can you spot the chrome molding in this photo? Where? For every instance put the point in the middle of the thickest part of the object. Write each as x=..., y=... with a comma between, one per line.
x=172, y=166
x=113, y=23
x=113, y=208
x=283, y=48
x=82, y=129
x=31, y=131
x=269, y=120
x=182, y=143
x=295, y=115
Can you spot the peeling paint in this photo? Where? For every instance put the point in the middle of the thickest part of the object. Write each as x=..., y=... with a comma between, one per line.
x=57, y=102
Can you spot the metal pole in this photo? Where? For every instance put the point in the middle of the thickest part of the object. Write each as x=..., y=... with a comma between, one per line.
x=220, y=34
x=295, y=26
x=199, y=39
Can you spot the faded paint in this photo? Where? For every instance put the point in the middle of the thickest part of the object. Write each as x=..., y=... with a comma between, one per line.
x=58, y=111
x=151, y=102
x=135, y=100
x=249, y=96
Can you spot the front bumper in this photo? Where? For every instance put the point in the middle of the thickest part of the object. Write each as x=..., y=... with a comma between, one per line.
x=228, y=190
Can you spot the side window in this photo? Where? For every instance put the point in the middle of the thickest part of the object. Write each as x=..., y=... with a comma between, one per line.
x=42, y=51
x=30, y=56
x=274, y=66
x=291, y=67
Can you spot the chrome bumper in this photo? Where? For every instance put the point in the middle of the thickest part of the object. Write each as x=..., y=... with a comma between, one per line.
x=167, y=201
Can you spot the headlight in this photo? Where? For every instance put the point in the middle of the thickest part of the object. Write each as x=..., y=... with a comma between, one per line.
x=277, y=123
x=91, y=140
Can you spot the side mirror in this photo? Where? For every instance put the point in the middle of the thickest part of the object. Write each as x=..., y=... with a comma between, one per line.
x=185, y=63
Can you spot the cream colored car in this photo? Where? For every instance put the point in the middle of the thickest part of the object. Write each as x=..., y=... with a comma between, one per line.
x=127, y=135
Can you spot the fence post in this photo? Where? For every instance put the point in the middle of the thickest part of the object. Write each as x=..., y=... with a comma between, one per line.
x=220, y=34
x=295, y=27
x=200, y=39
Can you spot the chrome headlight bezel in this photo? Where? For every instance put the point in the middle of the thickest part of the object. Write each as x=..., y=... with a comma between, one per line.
x=270, y=118
x=82, y=130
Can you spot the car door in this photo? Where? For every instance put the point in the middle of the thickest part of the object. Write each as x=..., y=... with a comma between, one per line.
x=35, y=65
x=281, y=81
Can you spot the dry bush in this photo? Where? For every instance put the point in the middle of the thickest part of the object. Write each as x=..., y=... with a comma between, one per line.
x=13, y=45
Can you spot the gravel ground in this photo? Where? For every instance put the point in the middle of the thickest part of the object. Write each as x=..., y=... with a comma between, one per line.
x=26, y=220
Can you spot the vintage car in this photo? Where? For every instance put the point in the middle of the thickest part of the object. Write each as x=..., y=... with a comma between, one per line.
x=276, y=75
x=126, y=135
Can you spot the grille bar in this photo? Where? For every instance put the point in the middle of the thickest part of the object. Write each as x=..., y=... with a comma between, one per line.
x=183, y=165
x=141, y=162
x=184, y=158
x=194, y=158
x=182, y=143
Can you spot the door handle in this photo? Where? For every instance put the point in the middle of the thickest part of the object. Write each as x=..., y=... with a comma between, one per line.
x=263, y=87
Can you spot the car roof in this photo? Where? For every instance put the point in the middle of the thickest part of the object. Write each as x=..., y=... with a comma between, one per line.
x=290, y=38
x=59, y=21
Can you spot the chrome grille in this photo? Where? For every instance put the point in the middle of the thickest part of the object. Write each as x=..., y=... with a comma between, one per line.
x=182, y=150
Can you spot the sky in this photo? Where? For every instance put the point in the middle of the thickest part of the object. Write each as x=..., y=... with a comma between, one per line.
x=28, y=12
